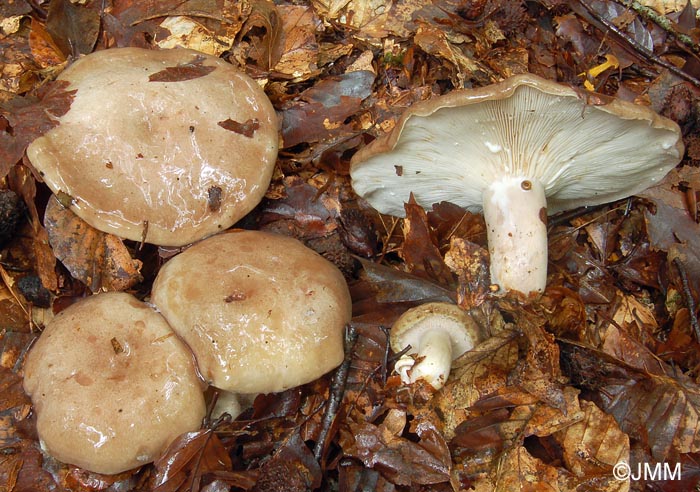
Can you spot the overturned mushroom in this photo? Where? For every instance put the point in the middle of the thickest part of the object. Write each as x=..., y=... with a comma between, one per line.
x=111, y=384
x=521, y=149
x=437, y=333
x=165, y=147
x=261, y=312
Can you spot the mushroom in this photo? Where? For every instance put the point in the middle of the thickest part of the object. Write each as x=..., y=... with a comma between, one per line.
x=261, y=312
x=520, y=149
x=161, y=146
x=111, y=384
x=437, y=333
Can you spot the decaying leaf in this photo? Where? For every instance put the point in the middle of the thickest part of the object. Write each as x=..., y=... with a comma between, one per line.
x=300, y=48
x=392, y=286
x=182, y=72
x=594, y=445
x=321, y=111
x=188, y=33
x=420, y=252
x=402, y=461
x=23, y=120
x=99, y=260
x=659, y=408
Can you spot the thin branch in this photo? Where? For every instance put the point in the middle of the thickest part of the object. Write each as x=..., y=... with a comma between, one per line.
x=689, y=301
x=642, y=50
x=660, y=20
x=337, y=391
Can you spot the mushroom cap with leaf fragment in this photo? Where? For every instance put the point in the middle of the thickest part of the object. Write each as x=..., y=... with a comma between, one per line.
x=111, y=384
x=583, y=148
x=261, y=311
x=161, y=146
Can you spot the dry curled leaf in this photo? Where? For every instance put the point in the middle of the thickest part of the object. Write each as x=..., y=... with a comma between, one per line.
x=400, y=460
x=320, y=113
x=99, y=260
x=24, y=119
x=183, y=72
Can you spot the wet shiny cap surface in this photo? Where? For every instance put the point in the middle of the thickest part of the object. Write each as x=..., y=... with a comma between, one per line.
x=111, y=384
x=161, y=146
x=261, y=311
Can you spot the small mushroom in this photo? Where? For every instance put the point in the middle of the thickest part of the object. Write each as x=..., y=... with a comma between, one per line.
x=520, y=149
x=161, y=146
x=261, y=311
x=111, y=384
x=437, y=334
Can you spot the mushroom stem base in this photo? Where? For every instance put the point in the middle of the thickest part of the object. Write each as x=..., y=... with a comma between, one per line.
x=434, y=359
x=515, y=210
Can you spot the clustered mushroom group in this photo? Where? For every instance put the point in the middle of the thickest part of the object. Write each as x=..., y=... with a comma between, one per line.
x=173, y=147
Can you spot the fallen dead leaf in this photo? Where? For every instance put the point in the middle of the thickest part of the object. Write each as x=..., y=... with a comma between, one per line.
x=101, y=261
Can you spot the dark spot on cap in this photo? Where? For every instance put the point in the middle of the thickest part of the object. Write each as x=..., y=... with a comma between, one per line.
x=214, y=200
x=543, y=215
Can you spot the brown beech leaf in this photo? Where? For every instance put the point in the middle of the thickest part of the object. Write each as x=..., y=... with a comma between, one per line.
x=320, y=112
x=680, y=346
x=594, y=445
x=354, y=476
x=391, y=285
x=14, y=407
x=26, y=119
x=661, y=409
x=519, y=470
x=469, y=262
x=74, y=27
x=539, y=371
x=99, y=260
x=419, y=250
x=183, y=71
x=671, y=225
x=261, y=36
x=301, y=212
x=188, y=458
x=13, y=313
x=401, y=461
x=449, y=221
x=247, y=128
x=292, y=468
x=22, y=469
x=44, y=49
x=299, y=56
x=477, y=374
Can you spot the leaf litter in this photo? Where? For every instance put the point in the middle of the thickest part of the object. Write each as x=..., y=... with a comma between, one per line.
x=602, y=369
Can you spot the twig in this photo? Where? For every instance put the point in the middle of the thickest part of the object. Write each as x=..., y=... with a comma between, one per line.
x=337, y=391
x=689, y=301
x=660, y=20
x=642, y=50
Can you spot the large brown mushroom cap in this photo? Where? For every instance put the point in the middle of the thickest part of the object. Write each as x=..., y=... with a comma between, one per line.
x=164, y=146
x=261, y=311
x=111, y=384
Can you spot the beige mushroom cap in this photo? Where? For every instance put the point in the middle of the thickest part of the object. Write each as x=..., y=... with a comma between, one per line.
x=437, y=333
x=166, y=146
x=111, y=384
x=261, y=311
x=412, y=325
